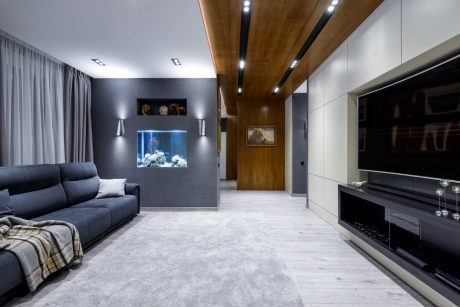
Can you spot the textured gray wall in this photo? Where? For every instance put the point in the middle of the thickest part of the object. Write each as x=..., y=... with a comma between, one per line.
x=115, y=157
x=299, y=143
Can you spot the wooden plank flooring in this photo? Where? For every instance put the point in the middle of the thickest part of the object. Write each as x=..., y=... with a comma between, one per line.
x=329, y=271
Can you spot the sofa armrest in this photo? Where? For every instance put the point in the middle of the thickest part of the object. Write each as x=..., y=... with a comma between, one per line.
x=134, y=189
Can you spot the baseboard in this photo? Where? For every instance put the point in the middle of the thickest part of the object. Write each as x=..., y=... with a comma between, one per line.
x=153, y=209
x=298, y=195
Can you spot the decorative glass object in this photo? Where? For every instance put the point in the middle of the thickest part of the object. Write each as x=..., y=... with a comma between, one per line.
x=439, y=192
x=456, y=190
x=444, y=184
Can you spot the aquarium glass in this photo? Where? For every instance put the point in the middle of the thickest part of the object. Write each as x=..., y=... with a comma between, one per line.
x=161, y=148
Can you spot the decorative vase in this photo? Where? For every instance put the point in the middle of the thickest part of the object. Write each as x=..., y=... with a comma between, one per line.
x=163, y=110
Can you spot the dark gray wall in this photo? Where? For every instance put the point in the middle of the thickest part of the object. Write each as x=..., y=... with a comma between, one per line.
x=299, y=143
x=115, y=157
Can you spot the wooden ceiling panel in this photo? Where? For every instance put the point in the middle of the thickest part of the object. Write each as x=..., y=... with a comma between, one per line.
x=278, y=30
x=222, y=20
x=345, y=20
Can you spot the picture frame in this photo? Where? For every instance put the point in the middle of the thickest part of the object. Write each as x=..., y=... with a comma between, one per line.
x=261, y=135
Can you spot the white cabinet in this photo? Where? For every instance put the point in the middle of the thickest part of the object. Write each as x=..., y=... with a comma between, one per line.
x=315, y=189
x=316, y=90
x=375, y=47
x=330, y=197
x=426, y=24
x=336, y=139
x=315, y=142
x=335, y=74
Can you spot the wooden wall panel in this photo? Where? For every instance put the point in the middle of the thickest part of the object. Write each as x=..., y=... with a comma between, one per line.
x=231, y=147
x=260, y=168
x=277, y=32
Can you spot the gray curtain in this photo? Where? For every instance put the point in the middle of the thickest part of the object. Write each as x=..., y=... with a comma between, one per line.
x=31, y=105
x=77, y=116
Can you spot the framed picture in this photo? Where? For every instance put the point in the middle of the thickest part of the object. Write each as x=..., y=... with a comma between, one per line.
x=260, y=135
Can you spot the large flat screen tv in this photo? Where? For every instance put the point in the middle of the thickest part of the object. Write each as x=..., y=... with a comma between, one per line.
x=412, y=126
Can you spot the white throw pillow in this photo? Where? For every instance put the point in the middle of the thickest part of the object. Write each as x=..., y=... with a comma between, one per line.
x=111, y=188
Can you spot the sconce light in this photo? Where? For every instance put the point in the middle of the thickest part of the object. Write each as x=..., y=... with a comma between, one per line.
x=121, y=127
x=201, y=127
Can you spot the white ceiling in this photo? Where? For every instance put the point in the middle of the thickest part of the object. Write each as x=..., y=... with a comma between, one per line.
x=135, y=38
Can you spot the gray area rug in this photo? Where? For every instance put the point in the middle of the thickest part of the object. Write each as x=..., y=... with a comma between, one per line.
x=177, y=259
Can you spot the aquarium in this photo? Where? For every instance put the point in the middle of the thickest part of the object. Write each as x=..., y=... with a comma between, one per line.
x=161, y=148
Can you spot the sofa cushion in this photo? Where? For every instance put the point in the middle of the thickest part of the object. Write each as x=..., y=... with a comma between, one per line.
x=111, y=188
x=12, y=270
x=5, y=204
x=34, y=189
x=121, y=208
x=80, y=181
x=90, y=222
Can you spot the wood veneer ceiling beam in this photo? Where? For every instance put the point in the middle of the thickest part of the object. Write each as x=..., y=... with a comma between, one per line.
x=278, y=30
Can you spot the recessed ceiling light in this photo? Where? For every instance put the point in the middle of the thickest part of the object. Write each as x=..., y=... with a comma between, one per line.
x=240, y=90
x=277, y=89
x=294, y=63
x=331, y=8
x=335, y=2
x=246, y=9
x=246, y=3
x=98, y=62
x=176, y=61
x=242, y=64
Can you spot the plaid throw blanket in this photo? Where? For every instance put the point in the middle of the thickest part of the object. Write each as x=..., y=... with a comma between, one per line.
x=41, y=247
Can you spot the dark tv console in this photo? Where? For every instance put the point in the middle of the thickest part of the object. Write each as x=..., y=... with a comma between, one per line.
x=408, y=232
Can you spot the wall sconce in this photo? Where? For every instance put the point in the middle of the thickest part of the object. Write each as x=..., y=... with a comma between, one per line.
x=121, y=127
x=201, y=127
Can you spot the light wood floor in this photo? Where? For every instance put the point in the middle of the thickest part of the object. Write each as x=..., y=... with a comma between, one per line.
x=328, y=269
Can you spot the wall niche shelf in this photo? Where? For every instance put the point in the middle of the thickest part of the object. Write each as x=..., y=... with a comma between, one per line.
x=408, y=232
x=161, y=107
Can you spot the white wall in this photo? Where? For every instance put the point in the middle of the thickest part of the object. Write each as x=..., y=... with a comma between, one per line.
x=398, y=37
x=288, y=145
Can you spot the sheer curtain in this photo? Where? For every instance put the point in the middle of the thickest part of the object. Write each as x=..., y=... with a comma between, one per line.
x=31, y=105
x=77, y=108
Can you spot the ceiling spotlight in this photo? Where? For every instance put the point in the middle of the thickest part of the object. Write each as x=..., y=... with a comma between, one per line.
x=331, y=8
x=240, y=90
x=294, y=63
x=335, y=2
x=242, y=64
x=277, y=89
x=176, y=61
x=246, y=9
x=98, y=62
x=247, y=3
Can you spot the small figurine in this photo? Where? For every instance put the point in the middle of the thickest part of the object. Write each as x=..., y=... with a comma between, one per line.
x=163, y=110
x=176, y=109
x=146, y=109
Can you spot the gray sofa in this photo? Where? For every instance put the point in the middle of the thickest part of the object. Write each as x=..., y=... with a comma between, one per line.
x=61, y=192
